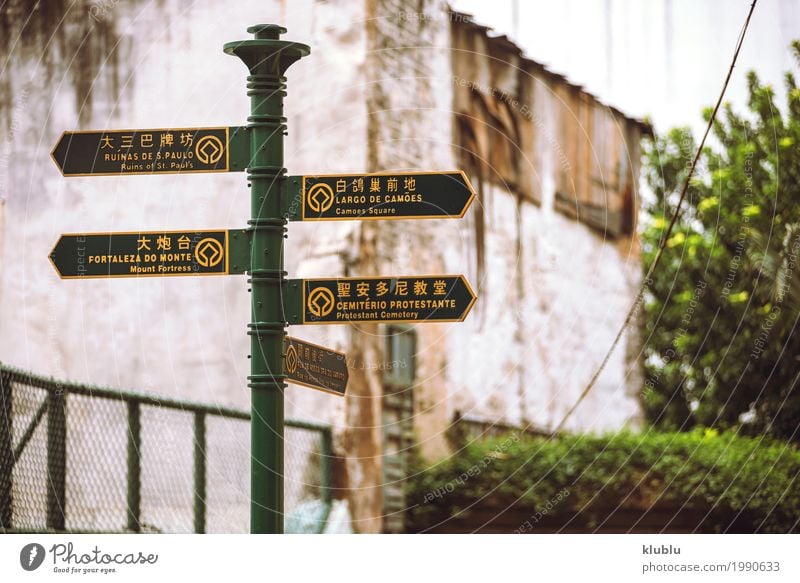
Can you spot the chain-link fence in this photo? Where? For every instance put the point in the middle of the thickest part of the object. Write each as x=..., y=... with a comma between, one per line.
x=75, y=458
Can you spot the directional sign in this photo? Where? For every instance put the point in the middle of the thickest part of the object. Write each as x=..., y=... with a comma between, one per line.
x=155, y=253
x=155, y=151
x=405, y=195
x=315, y=366
x=427, y=298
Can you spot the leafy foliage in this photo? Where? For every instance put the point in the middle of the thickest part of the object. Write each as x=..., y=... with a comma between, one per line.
x=723, y=306
x=751, y=483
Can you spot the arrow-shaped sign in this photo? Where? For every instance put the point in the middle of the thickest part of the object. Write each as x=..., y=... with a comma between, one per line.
x=315, y=366
x=427, y=298
x=152, y=151
x=150, y=254
x=402, y=195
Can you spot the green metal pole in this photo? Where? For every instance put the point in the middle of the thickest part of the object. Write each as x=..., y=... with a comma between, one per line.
x=326, y=471
x=134, y=466
x=267, y=58
x=7, y=457
x=200, y=478
x=56, y=459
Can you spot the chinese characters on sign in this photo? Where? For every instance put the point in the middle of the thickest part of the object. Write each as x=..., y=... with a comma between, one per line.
x=259, y=148
x=144, y=151
x=413, y=195
x=315, y=366
x=382, y=299
x=406, y=195
x=141, y=254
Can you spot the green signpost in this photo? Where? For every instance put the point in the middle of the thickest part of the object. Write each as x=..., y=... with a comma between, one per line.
x=258, y=250
x=267, y=58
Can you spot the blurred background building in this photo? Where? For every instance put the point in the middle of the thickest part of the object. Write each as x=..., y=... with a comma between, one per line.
x=549, y=244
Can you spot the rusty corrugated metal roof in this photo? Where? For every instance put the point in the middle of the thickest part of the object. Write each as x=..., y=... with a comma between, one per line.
x=502, y=42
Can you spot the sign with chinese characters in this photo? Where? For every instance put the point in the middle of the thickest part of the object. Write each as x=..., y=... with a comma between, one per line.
x=141, y=254
x=427, y=298
x=315, y=366
x=155, y=151
x=405, y=195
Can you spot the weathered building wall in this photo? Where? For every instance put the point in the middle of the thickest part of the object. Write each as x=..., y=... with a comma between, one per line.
x=383, y=89
x=161, y=65
x=184, y=336
x=552, y=290
x=409, y=129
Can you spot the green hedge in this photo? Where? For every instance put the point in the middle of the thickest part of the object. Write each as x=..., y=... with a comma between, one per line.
x=750, y=482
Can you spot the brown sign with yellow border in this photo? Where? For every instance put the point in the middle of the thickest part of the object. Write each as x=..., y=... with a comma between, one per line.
x=145, y=254
x=145, y=151
x=315, y=366
x=414, y=298
x=384, y=195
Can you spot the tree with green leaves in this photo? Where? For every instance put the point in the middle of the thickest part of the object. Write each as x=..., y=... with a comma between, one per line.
x=723, y=307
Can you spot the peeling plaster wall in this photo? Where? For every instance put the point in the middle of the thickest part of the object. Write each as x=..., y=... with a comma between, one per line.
x=183, y=337
x=2, y=230
x=553, y=292
x=332, y=137
x=550, y=301
x=410, y=128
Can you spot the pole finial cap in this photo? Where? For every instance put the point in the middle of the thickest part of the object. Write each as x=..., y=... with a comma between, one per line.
x=267, y=31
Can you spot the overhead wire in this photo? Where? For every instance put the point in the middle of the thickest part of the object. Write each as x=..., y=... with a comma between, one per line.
x=662, y=243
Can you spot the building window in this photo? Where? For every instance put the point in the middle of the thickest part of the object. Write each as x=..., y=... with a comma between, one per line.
x=596, y=185
x=401, y=348
x=398, y=421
